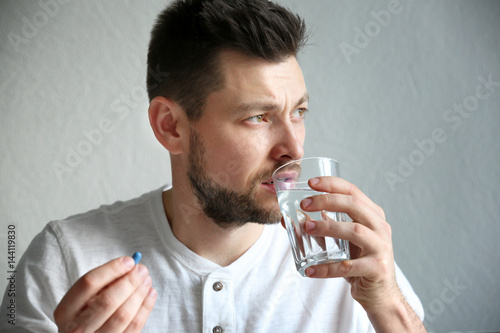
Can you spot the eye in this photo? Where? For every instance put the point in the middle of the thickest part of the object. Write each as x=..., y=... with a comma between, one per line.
x=299, y=113
x=256, y=119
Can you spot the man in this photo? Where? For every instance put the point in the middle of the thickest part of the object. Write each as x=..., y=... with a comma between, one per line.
x=228, y=101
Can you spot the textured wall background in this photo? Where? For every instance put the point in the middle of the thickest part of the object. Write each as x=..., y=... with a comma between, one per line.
x=400, y=96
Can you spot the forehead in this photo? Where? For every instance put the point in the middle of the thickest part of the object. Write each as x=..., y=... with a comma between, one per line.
x=247, y=79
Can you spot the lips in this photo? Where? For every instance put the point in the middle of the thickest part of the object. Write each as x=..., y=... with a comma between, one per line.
x=269, y=185
x=286, y=176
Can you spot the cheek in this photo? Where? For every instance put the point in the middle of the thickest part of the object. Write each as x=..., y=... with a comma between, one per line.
x=253, y=147
x=301, y=131
x=229, y=170
x=235, y=159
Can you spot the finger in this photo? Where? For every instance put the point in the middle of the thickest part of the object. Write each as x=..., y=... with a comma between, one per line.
x=88, y=286
x=363, y=237
x=124, y=315
x=346, y=269
x=142, y=315
x=373, y=269
x=355, y=208
x=342, y=186
x=102, y=306
x=354, y=251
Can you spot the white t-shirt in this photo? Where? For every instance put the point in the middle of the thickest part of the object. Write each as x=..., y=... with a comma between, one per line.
x=261, y=291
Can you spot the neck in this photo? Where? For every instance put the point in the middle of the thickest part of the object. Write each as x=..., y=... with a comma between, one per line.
x=201, y=235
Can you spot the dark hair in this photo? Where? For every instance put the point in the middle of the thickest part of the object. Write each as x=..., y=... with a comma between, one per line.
x=189, y=35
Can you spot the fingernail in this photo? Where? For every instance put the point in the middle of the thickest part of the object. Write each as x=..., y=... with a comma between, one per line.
x=148, y=281
x=310, y=225
x=128, y=262
x=306, y=202
x=314, y=181
x=310, y=271
x=152, y=293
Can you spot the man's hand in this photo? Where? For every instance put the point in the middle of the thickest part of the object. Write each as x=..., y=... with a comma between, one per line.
x=370, y=271
x=114, y=297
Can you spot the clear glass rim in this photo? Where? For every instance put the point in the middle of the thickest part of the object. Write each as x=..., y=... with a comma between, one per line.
x=304, y=159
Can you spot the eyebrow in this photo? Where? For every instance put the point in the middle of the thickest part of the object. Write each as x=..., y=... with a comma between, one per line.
x=252, y=106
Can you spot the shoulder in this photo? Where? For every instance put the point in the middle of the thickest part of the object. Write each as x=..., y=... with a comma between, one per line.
x=90, y=239
x=113, y=217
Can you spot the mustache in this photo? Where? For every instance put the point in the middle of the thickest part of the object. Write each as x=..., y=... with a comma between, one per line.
x=268, y=174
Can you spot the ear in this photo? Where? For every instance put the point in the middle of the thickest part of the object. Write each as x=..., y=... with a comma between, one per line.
x=166, y=119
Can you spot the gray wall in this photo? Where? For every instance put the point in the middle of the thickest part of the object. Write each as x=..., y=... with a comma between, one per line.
x=398, y=99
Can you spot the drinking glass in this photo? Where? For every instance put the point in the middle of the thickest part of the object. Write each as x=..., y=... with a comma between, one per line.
x=291, y=184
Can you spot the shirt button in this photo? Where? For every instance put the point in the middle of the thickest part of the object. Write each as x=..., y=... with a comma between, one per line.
x=217, y=329
x=217, y=287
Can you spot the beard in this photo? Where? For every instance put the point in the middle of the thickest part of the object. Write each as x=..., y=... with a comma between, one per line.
x=227, y=208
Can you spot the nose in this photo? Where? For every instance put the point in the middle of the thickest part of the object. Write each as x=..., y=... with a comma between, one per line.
x=289, y=144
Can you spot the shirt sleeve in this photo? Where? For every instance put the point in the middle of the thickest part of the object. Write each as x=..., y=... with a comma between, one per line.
x=40, y=281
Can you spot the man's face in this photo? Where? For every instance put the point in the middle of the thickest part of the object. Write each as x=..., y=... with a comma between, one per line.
x=248, y=129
